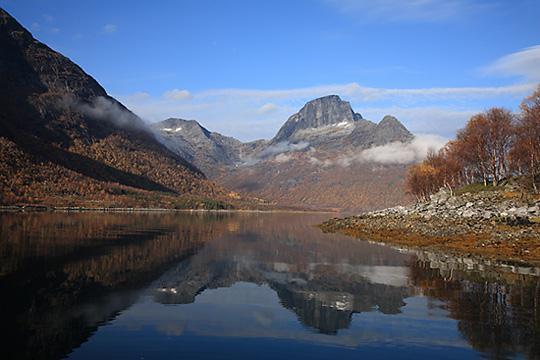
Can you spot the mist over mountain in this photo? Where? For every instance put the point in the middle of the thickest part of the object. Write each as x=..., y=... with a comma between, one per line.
x=325, y=155
x=64, y=140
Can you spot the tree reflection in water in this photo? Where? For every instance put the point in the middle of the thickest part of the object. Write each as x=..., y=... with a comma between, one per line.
x=497, y=313
x=62, y=276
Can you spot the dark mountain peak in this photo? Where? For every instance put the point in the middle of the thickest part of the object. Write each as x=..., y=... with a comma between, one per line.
x=357, y=117
x=390, y=121
x=326, y=110
x=327, y=99
x=318, y=113
x=8, y=23
x=390, y=129
x=32, y=66
x=367, y=133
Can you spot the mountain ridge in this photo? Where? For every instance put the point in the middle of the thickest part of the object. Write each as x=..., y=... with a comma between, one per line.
x=306, y=161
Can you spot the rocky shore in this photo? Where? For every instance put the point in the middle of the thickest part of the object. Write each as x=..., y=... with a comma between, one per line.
x=502, y=224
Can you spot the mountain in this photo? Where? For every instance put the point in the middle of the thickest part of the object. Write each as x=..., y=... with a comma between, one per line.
x=322, y=118
x=315, y=160
x=65, y=141
x=387, y=131
x=207, y=150
x=331, y=122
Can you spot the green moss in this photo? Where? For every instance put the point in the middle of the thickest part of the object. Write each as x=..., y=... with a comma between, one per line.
x=476, y=188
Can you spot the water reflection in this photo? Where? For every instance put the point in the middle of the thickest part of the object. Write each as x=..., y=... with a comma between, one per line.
x=220, y=277
x=324, y=280
x=497, y=313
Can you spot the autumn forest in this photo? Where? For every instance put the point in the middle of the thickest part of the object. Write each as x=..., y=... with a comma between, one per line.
x=494, y=145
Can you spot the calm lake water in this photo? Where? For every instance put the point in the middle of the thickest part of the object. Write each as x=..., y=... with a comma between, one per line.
x=243, y=286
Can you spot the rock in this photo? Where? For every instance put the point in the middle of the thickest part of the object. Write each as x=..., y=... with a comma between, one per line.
x=469, y=204
x=440, y=197
x=522, y=211
x=453, y=201
x=487, y=215
x=517, y=220
x=206, y=150
x=322, y=112
x=468, y=213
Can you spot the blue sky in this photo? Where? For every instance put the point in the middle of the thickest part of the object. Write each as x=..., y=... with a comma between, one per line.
x=242, y=67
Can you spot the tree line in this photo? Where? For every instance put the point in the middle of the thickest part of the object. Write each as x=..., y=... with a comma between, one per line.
x=494, y=145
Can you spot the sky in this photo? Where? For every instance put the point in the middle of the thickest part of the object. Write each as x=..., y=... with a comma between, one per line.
x=242, y=68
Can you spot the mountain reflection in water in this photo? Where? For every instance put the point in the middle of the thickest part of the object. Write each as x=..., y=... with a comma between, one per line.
x=242, y=285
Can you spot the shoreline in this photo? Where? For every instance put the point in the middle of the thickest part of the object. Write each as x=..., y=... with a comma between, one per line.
x=476, y=245
x=494, y=225
x=80, y=209
x=448, y=260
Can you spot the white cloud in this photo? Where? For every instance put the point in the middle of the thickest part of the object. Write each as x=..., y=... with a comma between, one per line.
x=249, y=114
x=282, y=147
x=406, y=10
x=279, y=152
x=397, y=152
x=55, y=30
x=48, y=18
x=246, y=113
x=109, y=28
x=36, y=26
x=524, y=63
x=404, y=153
x=267, y=108
x=177, y=94
x=107, y=110
x=354, y=91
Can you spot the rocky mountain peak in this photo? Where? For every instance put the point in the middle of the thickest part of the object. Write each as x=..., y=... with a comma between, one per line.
x=176, y=126
x=390, y=121
x=10, y=25
x=319, y=113
x=207, y=150
x=32, y=66
x=391, y=129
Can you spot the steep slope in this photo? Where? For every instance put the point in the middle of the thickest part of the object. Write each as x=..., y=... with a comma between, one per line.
x=63, y=140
